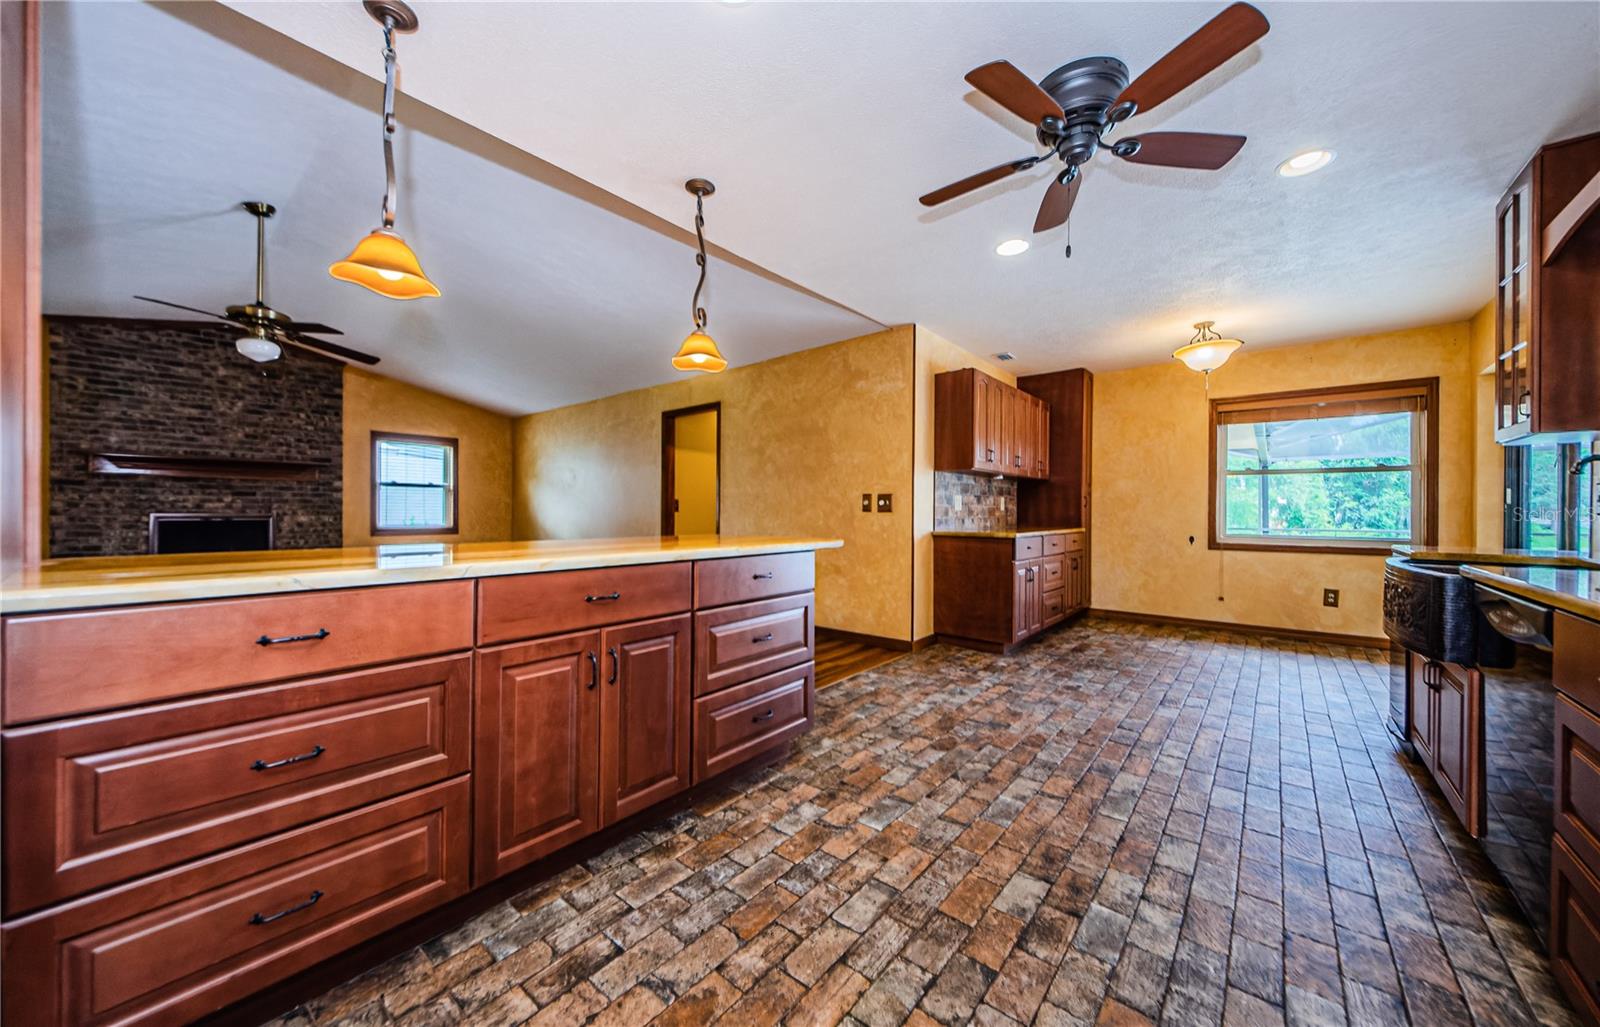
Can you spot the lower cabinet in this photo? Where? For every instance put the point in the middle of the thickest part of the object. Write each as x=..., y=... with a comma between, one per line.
x=1574, y=941
x=1447, y=730
x=996, y=592
x=177, y=945
x=576, y=732
x=745, y=720
x=1027, y=600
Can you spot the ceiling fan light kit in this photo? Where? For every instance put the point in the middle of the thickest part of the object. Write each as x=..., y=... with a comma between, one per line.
x=382, y=261
x=699, y=350
x=1074, y=108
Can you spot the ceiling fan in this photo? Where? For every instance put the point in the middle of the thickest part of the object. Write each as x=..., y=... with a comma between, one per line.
x=1074, y=107
x=269, y=329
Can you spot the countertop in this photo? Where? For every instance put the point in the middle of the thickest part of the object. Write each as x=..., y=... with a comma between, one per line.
x=1005, y=534
x=1573, y=589
x=125, y=580
x=1510, y=557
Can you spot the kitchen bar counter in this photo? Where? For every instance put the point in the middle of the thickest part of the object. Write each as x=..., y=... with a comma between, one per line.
x=1026, y=533
x=1498, y=557
x=124, y=580
x=1573, y=589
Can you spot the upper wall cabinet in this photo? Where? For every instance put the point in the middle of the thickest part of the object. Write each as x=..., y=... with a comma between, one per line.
x=1547, y=304
x=984, y=426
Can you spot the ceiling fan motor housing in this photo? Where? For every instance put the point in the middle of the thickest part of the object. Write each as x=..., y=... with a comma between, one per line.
x=1085, y=89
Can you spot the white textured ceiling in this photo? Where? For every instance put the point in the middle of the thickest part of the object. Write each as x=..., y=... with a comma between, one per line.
x=159, y=120
x=822, y=123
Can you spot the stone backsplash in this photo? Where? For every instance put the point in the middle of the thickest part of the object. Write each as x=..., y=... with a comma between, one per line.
x=973, y=502
x=162, y=388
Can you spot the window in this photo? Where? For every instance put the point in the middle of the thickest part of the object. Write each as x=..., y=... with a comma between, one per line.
x=1547, y=507
x=413, y=484
x=1348, y=470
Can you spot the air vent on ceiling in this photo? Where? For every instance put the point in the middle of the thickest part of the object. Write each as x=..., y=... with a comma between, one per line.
x=1005, y=356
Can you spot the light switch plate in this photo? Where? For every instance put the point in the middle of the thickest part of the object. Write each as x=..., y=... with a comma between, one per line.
x=885, y=502
x=866, y=502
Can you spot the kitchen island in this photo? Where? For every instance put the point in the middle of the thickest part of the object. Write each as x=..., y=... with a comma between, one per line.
x=222, y=769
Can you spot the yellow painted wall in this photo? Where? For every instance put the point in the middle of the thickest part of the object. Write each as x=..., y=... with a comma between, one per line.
x=803, y=436
x=935, y=355
x=694, y=465
x=375, y=403
x=1150, y=483
x=1488, y=457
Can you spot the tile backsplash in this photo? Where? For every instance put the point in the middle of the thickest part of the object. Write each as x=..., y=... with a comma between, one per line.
x=973, y=502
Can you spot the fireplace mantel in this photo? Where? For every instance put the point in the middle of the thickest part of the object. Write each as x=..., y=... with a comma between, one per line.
x=201, y=467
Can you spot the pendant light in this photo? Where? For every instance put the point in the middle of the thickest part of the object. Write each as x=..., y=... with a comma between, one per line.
x=1208, y=350
x=699, y=350
x=382, y=261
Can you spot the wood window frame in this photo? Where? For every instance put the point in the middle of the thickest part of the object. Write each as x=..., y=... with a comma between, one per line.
x=669, y=467
x=455, y=482
x=1425, y=389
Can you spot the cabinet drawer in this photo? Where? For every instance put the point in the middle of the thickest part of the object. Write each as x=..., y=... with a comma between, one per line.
x=1575, y=930
x=1055, y=544
x=720, y=582
x=737, y=643
x=529, y=605
x=1575, y=668
x=746, y=720
x=1028, y=547
x=1053, y=571
x=1577, y=794
x=173, y=947
x=58, y=664
x=1055, y=606
x=102, y=799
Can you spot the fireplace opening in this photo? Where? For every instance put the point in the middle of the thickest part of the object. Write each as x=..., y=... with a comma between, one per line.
x=209, y=533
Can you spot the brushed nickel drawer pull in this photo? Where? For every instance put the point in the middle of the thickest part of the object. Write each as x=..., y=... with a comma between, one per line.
x=315, y=636
x=257, y=918
x=316, y=750
x=763, y=716
x=763, y=638
x=613, y=597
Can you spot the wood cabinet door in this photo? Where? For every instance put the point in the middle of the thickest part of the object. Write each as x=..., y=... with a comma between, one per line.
x=1041, y=434
x=536, y=770
x=989, y=420
x=1076, y=586
x=1458, y=759
x=644, y=715
x=1574, y=941
x=1021, y=582
x=1424, y=708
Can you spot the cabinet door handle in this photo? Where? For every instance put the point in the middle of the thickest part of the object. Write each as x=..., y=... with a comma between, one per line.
x=758, y=718
x=315, y=636
x=258, y=918
x=316, y=750
x=609, y=598
x=594, y=670
x=616, y=665
x=991, y=455
x=763, y=638
x=763, y=576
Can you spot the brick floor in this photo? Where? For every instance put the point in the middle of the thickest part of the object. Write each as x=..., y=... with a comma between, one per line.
x=1121, y=824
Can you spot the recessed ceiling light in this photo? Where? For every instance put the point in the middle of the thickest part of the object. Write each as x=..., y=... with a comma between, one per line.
x=1012, y=247
x=1305, y=163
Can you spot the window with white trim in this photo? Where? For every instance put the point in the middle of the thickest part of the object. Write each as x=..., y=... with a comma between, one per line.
x=413, y=484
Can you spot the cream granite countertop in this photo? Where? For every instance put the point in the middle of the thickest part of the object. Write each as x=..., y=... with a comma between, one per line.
x=1573, y=589
x=1005, y=534
x=1513, y=557
x=124, y=580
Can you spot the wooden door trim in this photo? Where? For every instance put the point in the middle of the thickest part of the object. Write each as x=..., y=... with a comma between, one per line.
x=669, y=465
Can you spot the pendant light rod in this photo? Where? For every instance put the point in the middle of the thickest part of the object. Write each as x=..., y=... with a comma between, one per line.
x=261, y=211
x=701, y=189
x=388, y=122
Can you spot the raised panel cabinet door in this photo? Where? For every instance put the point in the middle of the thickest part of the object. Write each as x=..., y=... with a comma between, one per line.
x=1423, y=707
x=536, y=770
x=1458, y=763
x=1077, y=590
x=644, y=715
x=994, y=418
x=1577, y=798
x=1042, y=434
x=1574, y=941
x=1021, y=577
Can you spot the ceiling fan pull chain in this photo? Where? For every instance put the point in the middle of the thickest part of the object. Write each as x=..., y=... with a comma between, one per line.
x=1069, y=236
x=388, y=122
x=700, y=259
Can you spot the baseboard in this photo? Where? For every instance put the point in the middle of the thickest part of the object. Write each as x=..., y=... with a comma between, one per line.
x=899, y=645
x=924, y=642
x=1363, y=641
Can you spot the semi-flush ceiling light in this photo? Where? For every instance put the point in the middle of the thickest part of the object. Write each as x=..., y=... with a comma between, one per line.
x=258, y=346
x=1207, y=351
x=382, y=261
x=1305, y=163
x=699, y=350
x=1012, y=247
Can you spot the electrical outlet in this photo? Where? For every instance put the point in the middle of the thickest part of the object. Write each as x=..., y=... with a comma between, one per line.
x=866, y=502
x=885, y=502
x=1330, y=597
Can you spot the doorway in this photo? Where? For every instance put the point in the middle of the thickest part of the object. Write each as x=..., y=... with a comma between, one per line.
x=691, y=470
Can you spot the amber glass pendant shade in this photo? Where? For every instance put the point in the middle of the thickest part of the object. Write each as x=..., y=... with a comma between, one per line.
x=385, y=264
x=699, y=353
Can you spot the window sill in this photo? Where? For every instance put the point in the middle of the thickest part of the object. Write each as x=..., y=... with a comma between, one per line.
x=404, y=532
x=1318, y=546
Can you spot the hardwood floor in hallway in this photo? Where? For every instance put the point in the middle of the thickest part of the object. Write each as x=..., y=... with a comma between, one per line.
x=1120, y=824
x=840, y=658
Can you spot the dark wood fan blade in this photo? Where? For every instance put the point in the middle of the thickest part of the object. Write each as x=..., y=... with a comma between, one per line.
x=192, y=310
x=1001, y=82
x=1191, y=60
x=1206, y=151
x=312, y=328
x=971, y=182
x=1057, y=205
x=331, y=349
